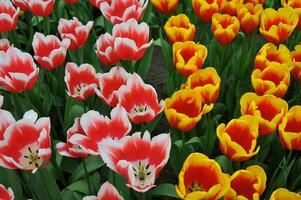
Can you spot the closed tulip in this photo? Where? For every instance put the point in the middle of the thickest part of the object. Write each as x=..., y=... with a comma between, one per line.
x=40, y=7
x=230, y=6
x=296, y=57
x=105, y=50
x=296, y=6
x=249, y=16
x=165, y=6
x=9, y=16
x=107, y=191
x=205, y=9
x=283, y=193
x=4, y=45
x=254, y=2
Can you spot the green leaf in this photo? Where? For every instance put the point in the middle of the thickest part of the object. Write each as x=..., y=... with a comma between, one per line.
x=93, y=163
x=225, y=163
x=10, y=178
x=194, y=140
x=35, y=20
x=145, y=63
x=165, y=189
x=152, y=125
x=79, y=186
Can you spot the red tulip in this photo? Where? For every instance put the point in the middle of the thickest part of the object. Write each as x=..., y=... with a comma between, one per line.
x=8, y=16
x=69, y=149
x=4, y=44
x=117, y=11
x=40, y=7
x=21, y=4
x=81, y=81
x=139, y=100
x=18, y=72
x=138, y=159
x=97, y=127
x=131, y=39
x=109, y=84
x=95, y=3
x=50, y=52
x=75, y=31
x=105, y=50
x=26, y=143
x=6, y=194
x=6, y=120
x=71, y=1
x=106, y=192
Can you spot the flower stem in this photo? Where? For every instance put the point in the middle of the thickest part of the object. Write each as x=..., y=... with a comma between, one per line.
x=87, y=176
x=142, y=196
x=42, y=175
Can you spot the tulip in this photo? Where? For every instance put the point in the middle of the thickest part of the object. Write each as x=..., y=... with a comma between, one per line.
x=267, y=109
x=49, y=51
x=165, y=6
x=75, y=31
x=117, y=11
x=179, y=29
x=137, y=158
x=206, y=82
x=238, y=138
x=205, y=9
x=201, y=178
x=296, y=57
x=277, y=26
x=70, y=149
x=1, y=100
x=254, y=2
x=26, y=143
x=4, y=45
x=40, y=7
x=81, y=81
x=105, y=50
x=110, y=83
x=131, y=39
x=18, y=72
x=283, y=193
x=230, y=7
x=296, y=6
x=247, y=183
x=6, y=194
x=185, y=109
x=71, y=1
x=274, y=79
x=290, y=129
x=106, y=192
x=140, y=108
x=21, y=4
x=224, y=27
x=188, y=56
x=269, y=53
x=8, y=16
x=96, y=128
x=249, y=16
x=95, y=3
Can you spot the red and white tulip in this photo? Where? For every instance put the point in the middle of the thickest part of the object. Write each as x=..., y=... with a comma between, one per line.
x=26, y=143
x=8, y=16
x=131, y=39
x=49, y=51
x=69, y=149
x=81, y=81
x=95, y=3
x=6, y=120
x=18, y=72
x=109, y=84
x=97, y=127
x=40, y=7
x=106, y=192
x=20, y=4
x=6, y=194
x=140, y=100
x=1, y=100
x=105, y=50
x=117, y=11
x=75, y=31
x=71, y=1
x=138, y=159
x=4, y=44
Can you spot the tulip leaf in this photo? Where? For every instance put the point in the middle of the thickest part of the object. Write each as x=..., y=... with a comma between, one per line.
x=10, y=178
x=119, y=182
x=225, y=163
x=194, y=140
x=93, y=163
x=152, y=125
x=165, y=189
x=145, y=63
x=79, y=186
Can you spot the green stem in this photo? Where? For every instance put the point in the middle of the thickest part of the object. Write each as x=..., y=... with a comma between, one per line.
x=183, y=138
x=87, y=176
x=142, y=196
x=44, y=181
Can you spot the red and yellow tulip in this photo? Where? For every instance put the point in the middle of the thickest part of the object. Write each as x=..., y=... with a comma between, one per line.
x=184, y=109
x=290, y=129
x=247, y=183
x=274, y=79
x=296, y=57
x=230, y=6
x=283, y=193
x=201, y=178
x=224, y=27
x=179, y=29
x=267, y=109
x=254, y=2
x=204, y=9
x=206, y=82
x=188, y=56
x=249, y=16
x=277, y=26
x=296, y=6
x=165, y=6
x=238, y=138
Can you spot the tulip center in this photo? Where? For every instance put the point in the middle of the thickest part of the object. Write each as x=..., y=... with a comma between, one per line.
x=140, y=108
x=78, y=88
x=143, y=172
x=193, y=187
x=30, y=158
